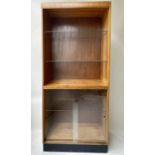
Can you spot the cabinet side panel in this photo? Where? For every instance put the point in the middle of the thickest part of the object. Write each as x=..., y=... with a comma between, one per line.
x=46, y=47
x=108, y=72
x=46, y=68
x=42, y=77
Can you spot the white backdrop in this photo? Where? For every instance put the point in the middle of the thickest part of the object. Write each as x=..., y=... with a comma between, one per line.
x=116, y=81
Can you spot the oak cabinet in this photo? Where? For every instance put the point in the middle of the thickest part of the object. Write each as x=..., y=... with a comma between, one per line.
x=76, y=66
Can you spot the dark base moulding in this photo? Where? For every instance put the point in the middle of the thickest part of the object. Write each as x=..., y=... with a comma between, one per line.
x=75, y=148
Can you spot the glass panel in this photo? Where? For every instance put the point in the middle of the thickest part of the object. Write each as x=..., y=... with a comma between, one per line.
x=58, y=111
x=83, y=32
x=59, y=125
x=75, y=116
x=90, y=117
x=76, y=61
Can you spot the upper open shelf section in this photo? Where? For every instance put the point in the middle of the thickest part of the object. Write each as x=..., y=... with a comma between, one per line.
x=76, y=46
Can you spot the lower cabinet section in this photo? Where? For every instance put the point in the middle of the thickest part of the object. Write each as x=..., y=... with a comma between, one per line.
x=74, y=120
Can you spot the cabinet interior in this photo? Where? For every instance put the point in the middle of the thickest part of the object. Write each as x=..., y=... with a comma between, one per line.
x=74, y=116
x=75, y=47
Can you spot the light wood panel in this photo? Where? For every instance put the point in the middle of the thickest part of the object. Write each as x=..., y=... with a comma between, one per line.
x=107, y=25
x=85, y=5
x=76, y=84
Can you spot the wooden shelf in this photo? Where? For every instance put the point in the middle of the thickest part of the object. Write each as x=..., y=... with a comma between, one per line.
x=76, y=84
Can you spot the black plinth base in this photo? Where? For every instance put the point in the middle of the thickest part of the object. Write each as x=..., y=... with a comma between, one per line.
x=75, y=148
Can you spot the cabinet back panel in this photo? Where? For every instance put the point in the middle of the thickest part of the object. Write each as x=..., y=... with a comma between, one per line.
x=75, y=39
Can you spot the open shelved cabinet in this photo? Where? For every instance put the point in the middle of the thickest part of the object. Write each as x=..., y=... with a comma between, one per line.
x=76, y=66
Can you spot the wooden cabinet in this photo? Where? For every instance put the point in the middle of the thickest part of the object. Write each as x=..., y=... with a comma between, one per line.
x=76, y=64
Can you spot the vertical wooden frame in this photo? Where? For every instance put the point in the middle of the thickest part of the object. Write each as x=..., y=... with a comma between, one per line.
x=108, y=74
x=106, y=66
x=42, y=35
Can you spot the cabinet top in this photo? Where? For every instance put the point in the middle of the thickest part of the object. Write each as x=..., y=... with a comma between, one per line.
x=65, y=5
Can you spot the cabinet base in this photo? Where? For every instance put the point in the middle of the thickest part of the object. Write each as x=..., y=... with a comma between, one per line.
x=75, y=148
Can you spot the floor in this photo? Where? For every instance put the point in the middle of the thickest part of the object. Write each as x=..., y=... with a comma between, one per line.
x=115, y=148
